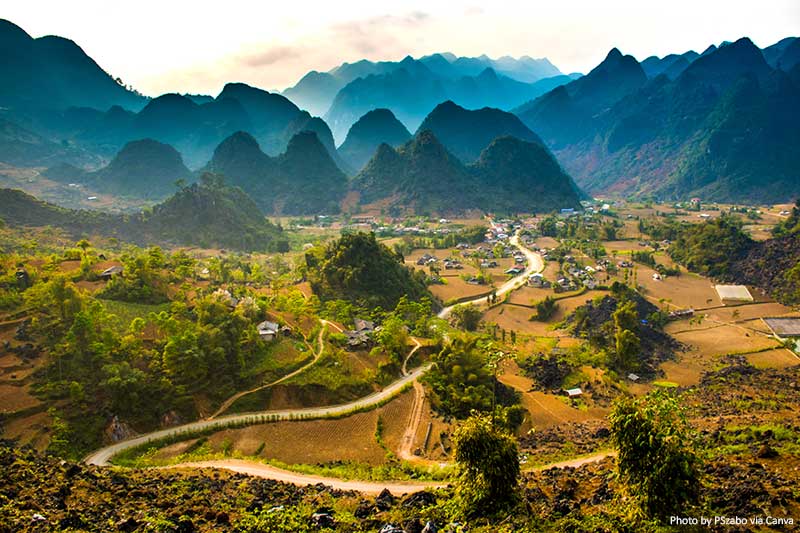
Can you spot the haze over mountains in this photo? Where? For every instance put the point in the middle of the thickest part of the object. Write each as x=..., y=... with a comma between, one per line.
x=718, y=124
x=316, y=91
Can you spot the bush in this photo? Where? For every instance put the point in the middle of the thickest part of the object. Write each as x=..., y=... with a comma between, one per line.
x=488, y=467
x=657, y=460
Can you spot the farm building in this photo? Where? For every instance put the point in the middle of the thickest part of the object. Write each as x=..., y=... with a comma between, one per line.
x=733, y=293
x=110, y=272
x=268, y=330
x=784, y=327
x=573, y=393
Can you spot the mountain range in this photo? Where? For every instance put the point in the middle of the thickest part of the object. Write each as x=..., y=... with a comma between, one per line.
x=413, y=89
x=722, y=129
x=717, y=124
x=316, y=91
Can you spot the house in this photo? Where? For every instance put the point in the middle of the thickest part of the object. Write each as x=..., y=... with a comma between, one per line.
x=224, y=296
x=515, y=270
x=474, y=281
x=110, y=272
x=364, y=326
x=268, y=330
x=536, y=280
x=573, y=393
x=633, y=377
x=681, y=313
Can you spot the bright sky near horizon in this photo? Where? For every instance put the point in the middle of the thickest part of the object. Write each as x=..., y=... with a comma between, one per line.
x=163, y=46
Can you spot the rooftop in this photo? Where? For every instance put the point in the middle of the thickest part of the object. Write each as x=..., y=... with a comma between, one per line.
x=784, y=327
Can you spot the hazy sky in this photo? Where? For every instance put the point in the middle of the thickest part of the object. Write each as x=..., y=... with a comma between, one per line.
x=179, y=46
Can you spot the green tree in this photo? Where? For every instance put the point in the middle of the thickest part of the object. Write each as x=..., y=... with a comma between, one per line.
x=466, y=316
x=656, y=458
x=488, y=466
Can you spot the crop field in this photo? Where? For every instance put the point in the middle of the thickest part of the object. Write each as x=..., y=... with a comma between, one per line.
x=316, y=441
x=545, y=409
x=778, y=358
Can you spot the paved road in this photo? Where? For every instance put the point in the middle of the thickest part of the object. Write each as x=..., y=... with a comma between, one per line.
x=103, y=456
x=535, y=264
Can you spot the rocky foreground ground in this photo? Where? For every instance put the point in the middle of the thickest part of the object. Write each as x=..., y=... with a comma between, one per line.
x=748, y=429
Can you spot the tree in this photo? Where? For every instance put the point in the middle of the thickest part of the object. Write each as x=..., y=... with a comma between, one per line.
x=626, y=342
x=656, y=456
x=488, y=466
x=393, y=337
x=466, y=317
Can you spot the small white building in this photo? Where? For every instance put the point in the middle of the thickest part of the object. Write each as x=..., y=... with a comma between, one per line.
x=268, y=330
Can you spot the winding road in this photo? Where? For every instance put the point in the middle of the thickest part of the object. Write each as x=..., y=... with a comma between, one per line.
x=103, y=456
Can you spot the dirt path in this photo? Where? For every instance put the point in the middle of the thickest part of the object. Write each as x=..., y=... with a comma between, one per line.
x=295, y=478
x=366, y=487
x=406, y=450
x=320, y=350
x=417, y=346
x=578, y=462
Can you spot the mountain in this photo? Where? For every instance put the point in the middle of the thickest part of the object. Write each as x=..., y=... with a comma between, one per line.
x=194, y=129
x=302, y=180
x=370, y=131
x=54, y=73
x=523, y=176
x=510, y=175
x=566, y=112
x=783, y=54
x=144, y=169
x=206, y=214
x=413, y=90
x=670, y=65
x=466, y=133
x=316, y=91
x=721, y=130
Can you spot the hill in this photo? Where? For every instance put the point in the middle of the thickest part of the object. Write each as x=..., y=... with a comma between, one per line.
x=144, y=169
x=721, y=130
x=522, y=176
x=466, y=133
x=54, y=73
x=370, y=131
x=510, y=175
x=302, y=180
x=207, y=214
x=212, y=215
x=363, y=271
